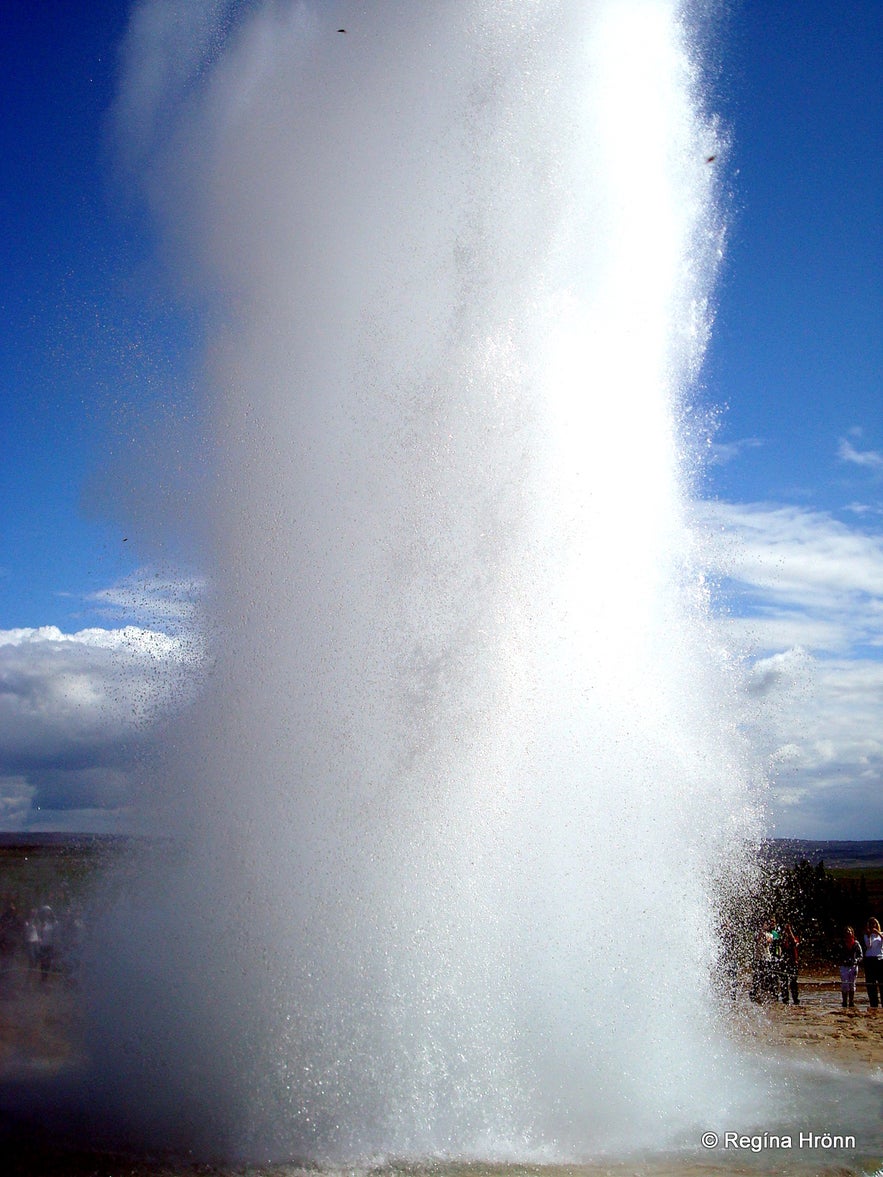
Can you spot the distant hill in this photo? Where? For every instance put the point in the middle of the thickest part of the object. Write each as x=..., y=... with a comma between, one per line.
x=835, y=855
x=26, y=840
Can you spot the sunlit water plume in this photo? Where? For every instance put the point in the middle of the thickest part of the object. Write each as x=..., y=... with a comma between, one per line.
x=464, y=786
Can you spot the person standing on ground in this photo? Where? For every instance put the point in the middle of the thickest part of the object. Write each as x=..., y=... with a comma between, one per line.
x=10, y=936
x=762, y=977
x=790, y=950
x=777, y=960
x=873, y=943
x=32, y=943
x=850, y=958
x=47, y=927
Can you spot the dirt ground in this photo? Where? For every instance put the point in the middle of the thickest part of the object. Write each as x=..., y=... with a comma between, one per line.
x=819, y=1027
x=39, y=1023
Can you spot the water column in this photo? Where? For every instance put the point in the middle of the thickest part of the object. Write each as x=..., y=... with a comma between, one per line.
x=462, y=785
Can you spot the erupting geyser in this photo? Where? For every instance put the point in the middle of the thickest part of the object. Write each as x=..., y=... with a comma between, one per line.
x=462, y=786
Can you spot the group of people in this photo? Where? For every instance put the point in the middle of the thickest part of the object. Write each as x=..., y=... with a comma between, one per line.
x=41, y=937
x=775, y=966
x=776, y=955
x=867, y=953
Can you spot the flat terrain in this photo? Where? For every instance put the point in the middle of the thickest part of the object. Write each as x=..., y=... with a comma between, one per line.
x=39, y=1025
x=41, y=1038
x=820, y=1028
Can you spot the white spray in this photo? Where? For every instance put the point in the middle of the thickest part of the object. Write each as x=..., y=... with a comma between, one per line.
x=461, y=787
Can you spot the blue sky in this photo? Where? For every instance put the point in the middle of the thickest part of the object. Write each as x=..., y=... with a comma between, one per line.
x=68, y=320
x=797, y=350
x=94, y=335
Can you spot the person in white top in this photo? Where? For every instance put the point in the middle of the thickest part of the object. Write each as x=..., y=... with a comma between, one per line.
x=873, y=961
x=32, y=943
x=46, y=926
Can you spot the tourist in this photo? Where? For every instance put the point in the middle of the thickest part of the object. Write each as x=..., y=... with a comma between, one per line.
x=10, y=936
x=873, y=942
x=790, y=950
x=32, y=943
x=850, y=958
x=71, y=932
x=762, y=975
x=46, y=926
x=777, y=960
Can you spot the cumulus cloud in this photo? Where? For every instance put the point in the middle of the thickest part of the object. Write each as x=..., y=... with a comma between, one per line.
x=768, y=674
x=806, y=597
x=74, y=711
x=800, y=577
x=824, y=737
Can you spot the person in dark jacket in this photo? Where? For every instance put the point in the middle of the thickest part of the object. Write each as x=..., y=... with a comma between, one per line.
x=11, y=926
x=790, y=952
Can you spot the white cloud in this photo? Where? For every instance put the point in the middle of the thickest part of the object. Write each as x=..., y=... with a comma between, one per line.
x=808, y=613
x=723, y=452
x=824, y=737
x=16, y=798
x=864, y=509
x=802, y=577
x=870, y=459
x=155, y=599
x=771, y=628
x=74, y=712
x=769, y=673
x=130, y=639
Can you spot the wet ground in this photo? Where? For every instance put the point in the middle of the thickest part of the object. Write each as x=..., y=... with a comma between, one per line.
x=839, y=1050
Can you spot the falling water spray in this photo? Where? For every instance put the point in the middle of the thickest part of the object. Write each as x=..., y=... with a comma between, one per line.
x=455, y=806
